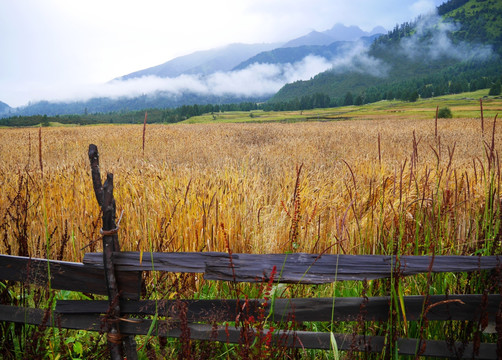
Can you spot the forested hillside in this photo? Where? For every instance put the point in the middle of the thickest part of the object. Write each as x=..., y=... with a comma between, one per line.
x=459, y=51
x=481, y=21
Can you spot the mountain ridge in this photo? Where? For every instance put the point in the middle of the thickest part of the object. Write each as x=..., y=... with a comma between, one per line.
x=203, y=62
x=338, y=32
x=414, y=50
x=230, y=56
x=4, y=108
x=285, y=55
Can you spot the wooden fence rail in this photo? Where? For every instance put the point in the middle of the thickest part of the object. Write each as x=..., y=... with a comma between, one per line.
x=293, y=268
x=446, y=308
x=91, y=315
x=232, y=335
x=298, y=268
x=66, y=275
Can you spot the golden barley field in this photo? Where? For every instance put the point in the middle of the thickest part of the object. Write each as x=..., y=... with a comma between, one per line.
x=360, y=187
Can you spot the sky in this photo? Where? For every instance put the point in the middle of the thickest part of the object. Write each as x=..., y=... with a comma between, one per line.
x=56, y=49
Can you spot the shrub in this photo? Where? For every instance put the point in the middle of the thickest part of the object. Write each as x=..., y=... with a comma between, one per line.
x=413, y=96
x=496, y=89
x=445, y=113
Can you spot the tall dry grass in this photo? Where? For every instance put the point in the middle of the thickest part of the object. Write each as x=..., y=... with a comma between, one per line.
x=375, y=186
x=379, y=186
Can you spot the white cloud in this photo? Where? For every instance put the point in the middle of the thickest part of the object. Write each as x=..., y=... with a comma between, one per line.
x=55, y=45
x=431, y=40
x=254, y=81
x=357, y=59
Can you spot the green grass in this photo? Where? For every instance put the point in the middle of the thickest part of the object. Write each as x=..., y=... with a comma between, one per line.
x=464, y=105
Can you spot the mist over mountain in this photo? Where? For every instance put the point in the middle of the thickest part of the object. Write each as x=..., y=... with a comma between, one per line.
x=434, y=54
x=203, y=62
x=447, y=45
x=284, y=55
x=231, y=57
x=234, y=73
x=257, y=83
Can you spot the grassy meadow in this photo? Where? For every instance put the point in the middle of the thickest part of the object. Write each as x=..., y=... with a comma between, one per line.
x=381, y=179
x=464, y=105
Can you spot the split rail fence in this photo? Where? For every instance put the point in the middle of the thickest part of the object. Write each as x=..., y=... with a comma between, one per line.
x=119, y=274
x=89, y=277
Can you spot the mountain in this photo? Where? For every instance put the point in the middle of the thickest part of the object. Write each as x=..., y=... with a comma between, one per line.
x=433, y=54
x=4, y=108
x=214, y=71
x=481, y=20
x=338, y=32
x=312, y=38
x=231, y=56
x=203, y=62
x=285, y=55
x=341, y=32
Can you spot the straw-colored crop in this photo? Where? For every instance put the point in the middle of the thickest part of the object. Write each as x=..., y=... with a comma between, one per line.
x=385, y=185
x=376, y=186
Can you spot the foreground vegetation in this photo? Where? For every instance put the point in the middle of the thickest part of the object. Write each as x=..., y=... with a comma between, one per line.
x=389, y=181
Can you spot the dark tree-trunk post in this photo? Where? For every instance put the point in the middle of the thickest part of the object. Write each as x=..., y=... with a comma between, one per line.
x=104, y=196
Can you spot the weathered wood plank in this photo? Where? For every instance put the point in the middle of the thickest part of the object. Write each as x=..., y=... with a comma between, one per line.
x=186, y=262
x=312, y=269
x=295, y=268
x=440, y=307
x=231, y=335
x=33, y=316
x=197, y=310
x=65, y=275
x=319, y=340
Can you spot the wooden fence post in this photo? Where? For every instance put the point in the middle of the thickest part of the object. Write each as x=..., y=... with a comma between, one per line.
x=104, y=196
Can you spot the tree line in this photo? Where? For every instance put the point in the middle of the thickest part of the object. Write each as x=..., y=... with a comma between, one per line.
x=469, y=76
x=155, y=115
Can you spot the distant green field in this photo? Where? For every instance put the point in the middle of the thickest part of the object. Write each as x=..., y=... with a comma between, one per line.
x=464, y=105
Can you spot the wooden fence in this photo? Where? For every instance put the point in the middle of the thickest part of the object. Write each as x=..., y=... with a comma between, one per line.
x=119, y=274
x=89, y=276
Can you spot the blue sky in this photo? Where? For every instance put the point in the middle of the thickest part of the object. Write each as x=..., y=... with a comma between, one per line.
x=52, y=47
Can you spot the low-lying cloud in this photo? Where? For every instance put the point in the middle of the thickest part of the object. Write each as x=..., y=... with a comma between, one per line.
x=257, y=80
x=432, y=40
x=357, y=59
